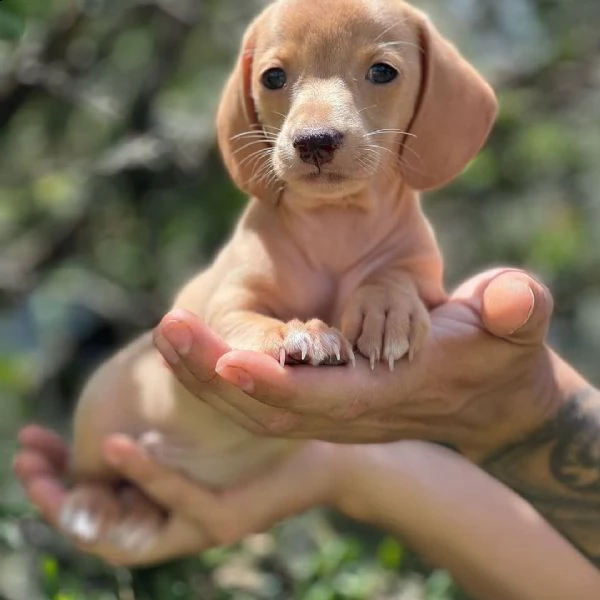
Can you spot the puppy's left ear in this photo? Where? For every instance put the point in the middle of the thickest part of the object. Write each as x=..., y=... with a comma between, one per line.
x=243, y=146
x=454, y=115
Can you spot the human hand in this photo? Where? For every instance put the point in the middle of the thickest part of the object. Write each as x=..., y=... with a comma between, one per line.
x=199, y=519
x=483, y=379
x=448, y=509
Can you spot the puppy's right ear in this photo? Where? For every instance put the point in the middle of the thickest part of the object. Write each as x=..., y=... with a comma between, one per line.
x=243, y=145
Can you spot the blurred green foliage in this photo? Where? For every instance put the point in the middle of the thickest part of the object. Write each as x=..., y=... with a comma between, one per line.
x=112, y=193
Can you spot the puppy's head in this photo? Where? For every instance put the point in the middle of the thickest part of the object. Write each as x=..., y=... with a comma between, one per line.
x=327, y=97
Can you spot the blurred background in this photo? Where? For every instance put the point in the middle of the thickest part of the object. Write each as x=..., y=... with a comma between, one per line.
x=112, y=194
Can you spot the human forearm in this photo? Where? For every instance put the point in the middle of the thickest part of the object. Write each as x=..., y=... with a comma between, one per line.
x=557, y=467
x=490, y=539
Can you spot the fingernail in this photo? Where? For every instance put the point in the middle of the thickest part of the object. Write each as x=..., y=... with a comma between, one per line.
x=179, y=336
x=238, y=377
x=521, y=286
x=165, y=348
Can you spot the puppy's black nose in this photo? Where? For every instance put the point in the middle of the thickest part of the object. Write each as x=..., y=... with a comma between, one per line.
x=317, y=146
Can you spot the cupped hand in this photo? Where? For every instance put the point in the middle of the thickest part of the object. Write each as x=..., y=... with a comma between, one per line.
x=483, y=379
x=198, y=518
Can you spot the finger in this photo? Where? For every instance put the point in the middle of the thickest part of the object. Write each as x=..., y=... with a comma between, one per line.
x=179, y=538
x=509, y=303
x=324, y=392
x=45, y=442
x=180, y=333
x=174, y=492
x=517, y=307
x=29, y=465
x=220, y=396
x=473, y=288
x=47, y=493
x=192, y=351
x=228, y=516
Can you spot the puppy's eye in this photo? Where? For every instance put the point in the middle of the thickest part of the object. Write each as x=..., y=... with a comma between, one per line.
x=382, y=73
x=274, y=79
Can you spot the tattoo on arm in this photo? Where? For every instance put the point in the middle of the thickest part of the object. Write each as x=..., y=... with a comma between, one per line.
x=557, y=469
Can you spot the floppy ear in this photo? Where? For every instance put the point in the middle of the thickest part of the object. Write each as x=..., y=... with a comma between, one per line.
x=239, y=132
x=455, y=112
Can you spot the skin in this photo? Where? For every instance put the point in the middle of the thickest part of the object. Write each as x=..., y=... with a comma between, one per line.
x=451, y=511
x=515, y=408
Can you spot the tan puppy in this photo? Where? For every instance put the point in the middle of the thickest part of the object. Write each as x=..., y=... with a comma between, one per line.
x=332, y=120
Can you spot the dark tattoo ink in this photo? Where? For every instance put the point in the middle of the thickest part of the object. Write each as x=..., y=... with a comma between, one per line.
x=557, y=470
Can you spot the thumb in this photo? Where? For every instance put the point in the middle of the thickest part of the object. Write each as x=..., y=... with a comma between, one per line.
x=510, y=303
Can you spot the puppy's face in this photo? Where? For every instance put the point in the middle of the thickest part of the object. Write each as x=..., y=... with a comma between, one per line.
x=335, y=88
x=328, y=97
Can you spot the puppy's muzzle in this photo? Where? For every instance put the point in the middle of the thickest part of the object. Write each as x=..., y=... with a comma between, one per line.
x=317, y=146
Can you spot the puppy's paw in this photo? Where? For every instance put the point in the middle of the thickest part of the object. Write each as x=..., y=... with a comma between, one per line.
x=99, y=514
x=313, y=343
x=384, y=326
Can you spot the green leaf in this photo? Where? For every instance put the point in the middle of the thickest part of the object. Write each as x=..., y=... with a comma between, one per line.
x=12, y=26
x=390, y=554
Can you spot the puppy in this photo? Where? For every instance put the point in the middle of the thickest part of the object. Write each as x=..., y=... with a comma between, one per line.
x=333, y=121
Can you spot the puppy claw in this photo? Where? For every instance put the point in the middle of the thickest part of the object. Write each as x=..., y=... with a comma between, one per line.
x=304, y=350
x=351, y=356
x=391, y=363
x=372, y=360
x=313, y=343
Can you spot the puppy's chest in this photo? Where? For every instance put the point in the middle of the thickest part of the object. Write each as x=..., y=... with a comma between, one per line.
x=306, y=298
x=325, y=262
x=320, y=295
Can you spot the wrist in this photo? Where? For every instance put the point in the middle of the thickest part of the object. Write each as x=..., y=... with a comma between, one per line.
x=555, y=465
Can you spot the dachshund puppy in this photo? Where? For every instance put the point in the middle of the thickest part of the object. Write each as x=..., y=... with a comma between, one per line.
x=333, y=120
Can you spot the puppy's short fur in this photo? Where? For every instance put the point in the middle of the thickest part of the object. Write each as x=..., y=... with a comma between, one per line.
x=333, y=120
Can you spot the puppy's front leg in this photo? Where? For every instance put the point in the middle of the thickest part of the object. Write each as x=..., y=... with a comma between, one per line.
x=292, y=342
x=385, y=318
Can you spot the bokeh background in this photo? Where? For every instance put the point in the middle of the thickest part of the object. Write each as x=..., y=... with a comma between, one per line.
x=112, y=194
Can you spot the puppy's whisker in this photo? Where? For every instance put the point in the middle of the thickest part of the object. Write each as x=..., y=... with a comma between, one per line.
x=387, y=168
x=369, y=159
x=246, y=134
x=272, y=128
x=404, y=147
x=413, y=152
x=377, y=148
x=362, y=110
x=405, y=164
x=266, y=171
x=250, y=135
x=390, y=131
x=256, y=156
x=256, y=134
x=402, y=43
x=390, y=27
x=253, y=134
x=248, y=145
